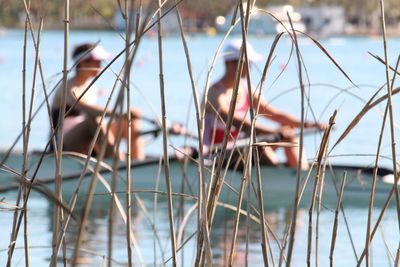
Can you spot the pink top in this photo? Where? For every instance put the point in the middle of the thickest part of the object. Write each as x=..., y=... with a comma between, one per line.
x=214, y=128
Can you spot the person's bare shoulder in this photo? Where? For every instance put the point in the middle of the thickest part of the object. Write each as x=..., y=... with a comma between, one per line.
x=214, y=95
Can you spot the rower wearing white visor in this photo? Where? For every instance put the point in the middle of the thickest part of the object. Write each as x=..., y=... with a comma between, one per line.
x=219, y=97
x=81, y=122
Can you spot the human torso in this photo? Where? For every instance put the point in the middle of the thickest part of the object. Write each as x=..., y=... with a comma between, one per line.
x=73, y=92
x=215, y=126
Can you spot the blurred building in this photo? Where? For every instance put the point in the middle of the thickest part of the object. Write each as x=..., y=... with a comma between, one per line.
x=323, y=20
x=262, y=22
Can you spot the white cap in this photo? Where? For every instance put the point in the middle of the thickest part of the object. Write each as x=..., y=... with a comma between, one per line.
x=97, y=53
x=232, y=51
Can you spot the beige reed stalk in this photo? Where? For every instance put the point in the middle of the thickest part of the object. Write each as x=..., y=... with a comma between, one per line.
x=14, y=234
x=216, y=187
x=264, y=230
x=128, y=29
x=25, y=149
x=85, y=211
x=165, y=141
x=58, y=217
x=335, y=222
x=253, y=151
x=202, y=223
x=322, y=160
x=298, y=176
x=391, y=115
x=111, y=218
x=321, y=163
x=26, y=133
x=375, y=174
x=26, y=141
x=244, y=18
x=213, y=185
x=256, y=157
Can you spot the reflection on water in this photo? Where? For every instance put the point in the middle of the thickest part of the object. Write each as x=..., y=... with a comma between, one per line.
x=151, y=232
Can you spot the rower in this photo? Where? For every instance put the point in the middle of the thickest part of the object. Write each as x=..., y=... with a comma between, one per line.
x=81, y=122
x=218, y=101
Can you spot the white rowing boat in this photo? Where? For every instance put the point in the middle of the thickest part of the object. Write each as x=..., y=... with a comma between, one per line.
x=278, y=183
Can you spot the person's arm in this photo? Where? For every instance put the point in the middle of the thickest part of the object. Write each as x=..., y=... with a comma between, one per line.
x=283, y=118
x=94, y=110
x=221, y=108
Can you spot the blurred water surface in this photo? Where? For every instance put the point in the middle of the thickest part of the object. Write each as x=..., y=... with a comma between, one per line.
x=329, y=90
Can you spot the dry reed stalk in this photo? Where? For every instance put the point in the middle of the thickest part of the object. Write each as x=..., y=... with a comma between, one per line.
x=298, y=176
x=368, y=106
x=26, y=133
x=159, y=170
x=335, y=222
x=128, y=62
x=374, y=178
x=260, y=198
x=214, y=187
x=14, y=234
x=378, y=221
x=202, y=214
x=26, y=141
x=89, y=199
x=245, y=177
x=244, y=19
x=343, y=213
x=58, y=216
x=391, y=115
x=320, y=166
x=217, y=186
x=383, y=62
x=322, y=160
x=113, y=189
x=253, y=151
x=165, y=141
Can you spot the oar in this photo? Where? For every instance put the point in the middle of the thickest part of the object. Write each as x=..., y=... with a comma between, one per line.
x=156, y=131
x=270, y=138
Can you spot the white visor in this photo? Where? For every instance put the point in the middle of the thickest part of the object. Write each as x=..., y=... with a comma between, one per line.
x=97, y=53
x=232, y=51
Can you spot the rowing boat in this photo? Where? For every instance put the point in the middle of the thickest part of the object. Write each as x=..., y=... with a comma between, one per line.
x=147, y=177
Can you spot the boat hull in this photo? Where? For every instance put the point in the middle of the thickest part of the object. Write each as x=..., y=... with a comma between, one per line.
x=148, y=179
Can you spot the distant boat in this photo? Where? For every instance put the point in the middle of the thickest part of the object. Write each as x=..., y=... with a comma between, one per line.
x=262, y=23
x=278, y=183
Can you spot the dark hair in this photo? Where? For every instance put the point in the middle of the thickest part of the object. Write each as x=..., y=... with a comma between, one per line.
x=78, y=50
